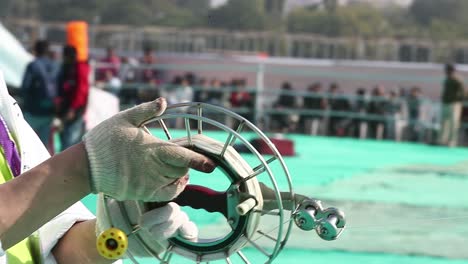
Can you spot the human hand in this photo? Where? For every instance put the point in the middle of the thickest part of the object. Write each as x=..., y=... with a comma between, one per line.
x=165, y=222
x=154, y=227
x=70, y=115
x=127, y=163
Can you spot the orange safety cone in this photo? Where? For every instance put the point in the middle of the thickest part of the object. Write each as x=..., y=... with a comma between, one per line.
x=77, y=36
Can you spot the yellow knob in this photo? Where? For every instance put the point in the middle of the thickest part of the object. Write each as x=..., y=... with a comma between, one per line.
x=112, y=243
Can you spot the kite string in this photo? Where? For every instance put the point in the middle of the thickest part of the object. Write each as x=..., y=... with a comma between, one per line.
x=383, y=226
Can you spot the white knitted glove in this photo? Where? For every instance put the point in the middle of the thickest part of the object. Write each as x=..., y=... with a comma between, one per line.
x=156, y=226
x=162, y=223
x=127, y=163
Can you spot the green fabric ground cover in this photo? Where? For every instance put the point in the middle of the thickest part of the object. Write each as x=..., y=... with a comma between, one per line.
x=362, y=171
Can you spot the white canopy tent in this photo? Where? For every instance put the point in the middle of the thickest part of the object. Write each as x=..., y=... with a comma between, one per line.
x=13, y=58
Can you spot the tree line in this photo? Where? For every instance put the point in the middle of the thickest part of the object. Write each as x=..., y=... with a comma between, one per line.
x=429, y=19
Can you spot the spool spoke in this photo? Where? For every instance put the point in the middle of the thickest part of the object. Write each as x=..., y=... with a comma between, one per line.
x=187, y=128
x=167, y=255
x=253, y=175
x=200, y=123
x=231, y=139
x=226, y=144
x=131, y=257
x=264, y=212
x=267, y=235
x=239, y=129
x=270, y=160
x=259, y=248
x=243, y=257
x=166, y=131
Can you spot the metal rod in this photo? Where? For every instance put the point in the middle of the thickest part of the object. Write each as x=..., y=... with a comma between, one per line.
x=131, y=257
x=258, y=247
x=238, y=130
x=267, y=235
x=243, y=257
x=187, y=128
x=138, y=238
x=253, y=175
x=168, y=254
x=164, y=127
x=270, y=160
x=200, y=123
x=228, y=260
x=146, y=130
x=266, y=212
x=231, y=138
x=226, y=144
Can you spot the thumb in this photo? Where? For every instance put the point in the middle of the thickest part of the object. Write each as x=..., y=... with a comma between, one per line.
x=179, y=156
x=159, y=215
x=141, y=113
x=189, y=231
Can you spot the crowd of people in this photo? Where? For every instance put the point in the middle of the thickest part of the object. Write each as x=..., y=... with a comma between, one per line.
x=379, y=113
x=402, y=114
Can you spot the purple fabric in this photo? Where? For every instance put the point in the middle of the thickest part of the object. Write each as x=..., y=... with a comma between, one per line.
x=9, y=148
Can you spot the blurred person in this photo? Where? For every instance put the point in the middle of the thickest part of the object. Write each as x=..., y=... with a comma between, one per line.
x=170, y=91
x=73, y=91
x=338, y=105
x=452, y=101
x=129, y=73
x=184, y=92
x=241, y=98
x=201, y=91
x=315, y=101
x=216, y=94
x=54, y=57
x=149, y=74
x=464, y=120
x=39, y=89
x=285, y=122
x=191, y=78
x=128, y=69
x=110, y=63
x=360, y=107
x=393, y=110
x=112, y=83
x=376, y=108
x=415, y=115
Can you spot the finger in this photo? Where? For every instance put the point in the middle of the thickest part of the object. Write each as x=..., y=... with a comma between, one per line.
x=159, y=215
x=141, y=113
x=189, y=231
x=179, y=156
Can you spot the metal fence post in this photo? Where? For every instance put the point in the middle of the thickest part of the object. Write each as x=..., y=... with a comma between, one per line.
x=258, y=114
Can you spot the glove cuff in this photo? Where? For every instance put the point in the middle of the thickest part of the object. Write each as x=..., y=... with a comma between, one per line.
x=102, y=164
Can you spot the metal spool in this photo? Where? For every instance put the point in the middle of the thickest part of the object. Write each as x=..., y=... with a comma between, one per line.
x=245, y=205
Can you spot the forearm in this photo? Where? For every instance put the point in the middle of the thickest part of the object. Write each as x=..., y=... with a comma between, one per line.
x=30, y=200
x=79, y=245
